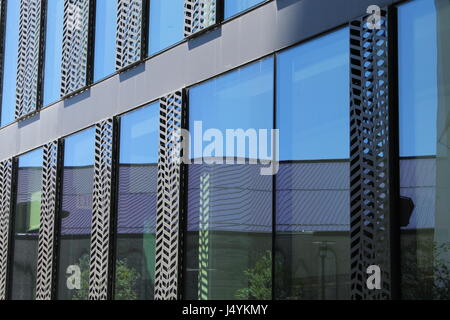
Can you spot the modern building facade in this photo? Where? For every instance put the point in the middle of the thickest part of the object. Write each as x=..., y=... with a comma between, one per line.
x=102, y=196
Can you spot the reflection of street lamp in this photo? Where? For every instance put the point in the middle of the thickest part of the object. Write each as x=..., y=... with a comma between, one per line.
x=323, y=248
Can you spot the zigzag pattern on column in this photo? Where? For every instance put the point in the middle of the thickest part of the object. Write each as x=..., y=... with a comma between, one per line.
x=47, y=222
x=5, y=213
x=129, y=32
x=168, y=205
x=29, y=57
x=199, y=15
x=101, y=214
x=75, y=45
x=370, y=207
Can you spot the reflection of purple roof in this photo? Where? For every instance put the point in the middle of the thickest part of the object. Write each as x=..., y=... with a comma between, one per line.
x=311, y=196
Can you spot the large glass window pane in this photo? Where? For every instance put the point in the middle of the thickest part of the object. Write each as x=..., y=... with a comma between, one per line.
x=53, y=51
x=26, y=226
x=229, y=221
x=105, y=38
x=135, y=252
x=312, y=199
x=166, y=25
x=233, y=7
x=424, y=92
x=10, y=62
x=75, y=216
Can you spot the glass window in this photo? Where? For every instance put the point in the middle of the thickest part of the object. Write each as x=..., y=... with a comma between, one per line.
x=138, y=170
x=75, y=216
x=10, y=62
x=424, y=91
x=105, y=38
x=26, y=226
x=166, y=25
x=229, y=220
x=53, y=51
x=233, y=7
x=312, y=198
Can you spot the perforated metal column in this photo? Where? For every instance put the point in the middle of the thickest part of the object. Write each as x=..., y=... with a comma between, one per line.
x=169, y=194
x=129, y=32
x=199, y=15
x=5, y=212
x=370, y=158
x=76, y=36
x=29, y=60
x=101, y=215
x=47, y=222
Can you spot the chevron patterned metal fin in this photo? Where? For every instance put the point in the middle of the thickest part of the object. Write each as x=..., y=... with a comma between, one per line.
x=129, y=32
x=75, y=52
x=47, y=222
x=203, y=237
x=370, y=164
x=101, y=214
x=199, y=15
x=29, y=57
x=169, y=194
x=5, y=214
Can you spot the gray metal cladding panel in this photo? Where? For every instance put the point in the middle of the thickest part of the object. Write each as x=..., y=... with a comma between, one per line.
x=28, y=57
x=5, y=213
x=74, y=73
x=47, y=222
x=129, y=32
x=370, y=165
x=168, y=203
x=199, y=15
x=101, y=215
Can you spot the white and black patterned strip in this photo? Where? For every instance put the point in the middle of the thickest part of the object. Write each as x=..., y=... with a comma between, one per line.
x=129, y=32
x=47, y=222
x=28, y=57
x=101, y=215
x=74, y=75
x=369, y=157
x=5, y=214
x=168, y=204
x=199, y=15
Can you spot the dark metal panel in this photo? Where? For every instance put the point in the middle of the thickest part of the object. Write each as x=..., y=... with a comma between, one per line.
x=129, y=32
x=169, y=197
x=29, y=59
x=371, y=161
x=101, y=215
x=2, y=46
x=47, y=222
x=5, y=213
x=76, y=40
x=199, y=15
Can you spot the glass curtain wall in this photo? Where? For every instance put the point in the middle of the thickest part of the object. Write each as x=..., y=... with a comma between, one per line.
x=166, y=26
x=233, y=7
x=105, y=38
x=312, y=186
x=26, y=226
x=138, y=170
x=229, y=214
x=424, y=92
x=75, y=216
